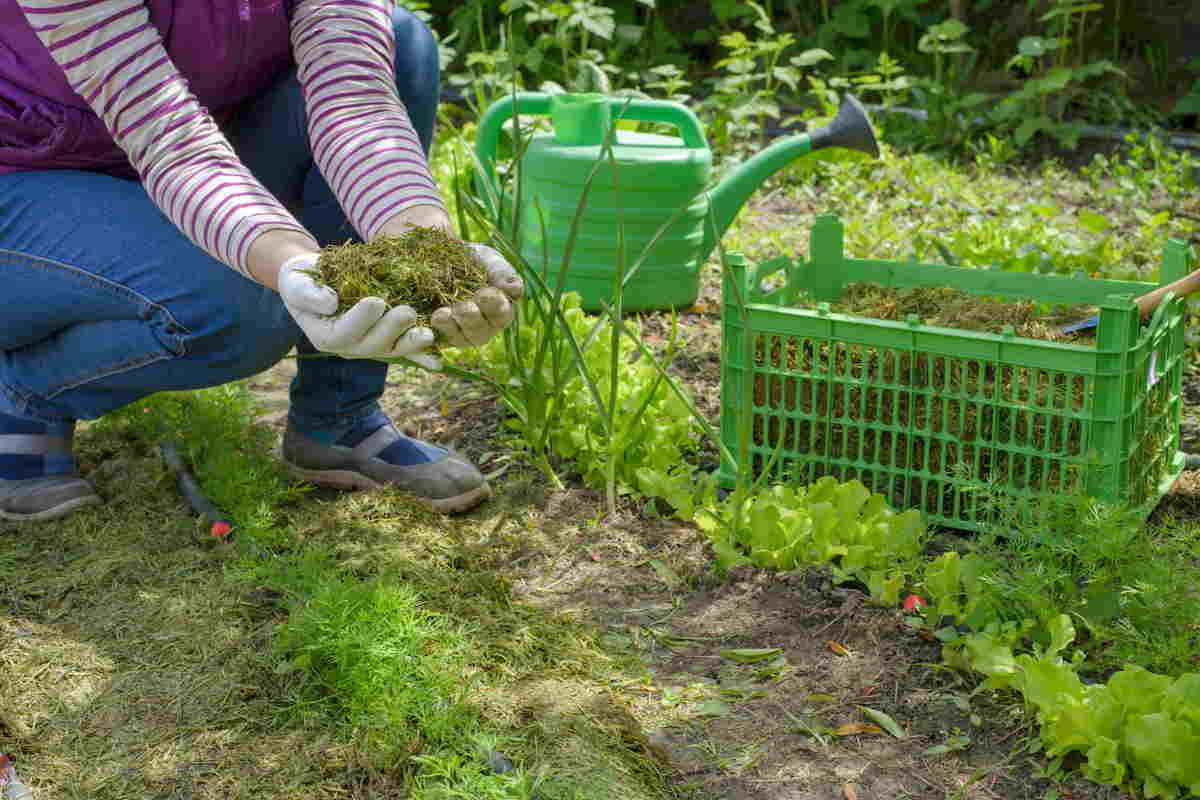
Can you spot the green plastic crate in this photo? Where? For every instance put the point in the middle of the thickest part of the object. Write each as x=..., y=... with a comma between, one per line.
x=927, y=415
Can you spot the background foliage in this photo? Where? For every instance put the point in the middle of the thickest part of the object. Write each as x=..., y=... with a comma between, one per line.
x=1027, y=68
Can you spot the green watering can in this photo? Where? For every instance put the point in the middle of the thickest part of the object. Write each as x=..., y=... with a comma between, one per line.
x=656, y=178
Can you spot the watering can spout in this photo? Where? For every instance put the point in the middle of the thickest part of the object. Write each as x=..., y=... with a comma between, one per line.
x=850, y=129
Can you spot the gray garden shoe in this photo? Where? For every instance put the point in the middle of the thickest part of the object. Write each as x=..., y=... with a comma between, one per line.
x=448, y=483
x=42, y=479
x=49, y=497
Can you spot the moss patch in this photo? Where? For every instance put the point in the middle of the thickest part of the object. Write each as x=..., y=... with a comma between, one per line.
x=426, y=268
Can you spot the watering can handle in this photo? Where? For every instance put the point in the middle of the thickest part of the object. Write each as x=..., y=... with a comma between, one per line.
x=540, y=104
x=488, y=137
x=662, y=111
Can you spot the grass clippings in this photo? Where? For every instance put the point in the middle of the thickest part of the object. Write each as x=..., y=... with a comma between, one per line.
x=946, y=307
x=425, y=268
x=356, y=646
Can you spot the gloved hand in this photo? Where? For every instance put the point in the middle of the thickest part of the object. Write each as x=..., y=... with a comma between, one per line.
x=473, y=322
x=368, y=330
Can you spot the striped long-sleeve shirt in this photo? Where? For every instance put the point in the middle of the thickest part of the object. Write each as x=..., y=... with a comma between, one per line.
x=362, y=139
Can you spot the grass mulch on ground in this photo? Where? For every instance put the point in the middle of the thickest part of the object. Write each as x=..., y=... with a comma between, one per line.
x=344, y=645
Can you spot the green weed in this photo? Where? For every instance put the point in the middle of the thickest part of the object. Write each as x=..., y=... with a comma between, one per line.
x=1190, y=103
x=1055, y=75
x=1131, y=589
x=586, y=389
x=232, y=459
x=746, y=96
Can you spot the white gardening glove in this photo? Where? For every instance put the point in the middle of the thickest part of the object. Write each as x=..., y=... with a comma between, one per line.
x=368, y=330
x=473, y=322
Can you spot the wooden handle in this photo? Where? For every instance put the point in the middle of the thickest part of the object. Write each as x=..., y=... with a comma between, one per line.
x=1184, y=286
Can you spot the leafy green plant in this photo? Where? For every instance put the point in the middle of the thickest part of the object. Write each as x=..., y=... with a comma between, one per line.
x=846, y=28
x=489, y=72
x=888, y=80
x=1159, y=177
x=548, y=44
x=1190, y=103
x=992, y=152
x=888, y=10
x=747, y=95
x=586, y=389
x=1140, y=728
x=951, y=112
x=653, y=428
x=563, y=46
x=564, y=41
x=1129, y=589
x=841, y=524
x=670, y=80
x=1054, y=77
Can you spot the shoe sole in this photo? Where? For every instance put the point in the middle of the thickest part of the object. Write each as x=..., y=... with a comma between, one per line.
x=349, y=479
x=60, y=510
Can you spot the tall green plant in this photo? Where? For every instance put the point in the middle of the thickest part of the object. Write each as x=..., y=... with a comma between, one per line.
x=747, y=95
x=1056, y=74
x=556, y=46
x=1190, y=103
x=950, y=109
x=587, y=389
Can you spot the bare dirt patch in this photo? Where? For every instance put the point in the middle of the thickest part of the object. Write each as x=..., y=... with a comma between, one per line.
x=762, y=730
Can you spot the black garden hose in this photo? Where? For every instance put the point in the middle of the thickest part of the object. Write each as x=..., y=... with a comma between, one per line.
x=219, y=526
x=500, y=765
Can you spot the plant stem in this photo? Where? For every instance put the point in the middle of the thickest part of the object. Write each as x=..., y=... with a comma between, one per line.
x=615, y=441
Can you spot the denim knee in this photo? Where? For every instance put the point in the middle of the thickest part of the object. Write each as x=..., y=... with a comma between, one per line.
x=247, y=337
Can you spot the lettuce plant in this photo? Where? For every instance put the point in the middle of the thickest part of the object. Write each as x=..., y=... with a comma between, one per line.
x=840, y=524
x=1139, y=729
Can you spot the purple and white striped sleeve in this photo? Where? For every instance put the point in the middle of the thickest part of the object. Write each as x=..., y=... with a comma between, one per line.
x=363, y=141
x=115, y=59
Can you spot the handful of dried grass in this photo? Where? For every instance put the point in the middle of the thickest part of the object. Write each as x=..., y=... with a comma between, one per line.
x=426, y=268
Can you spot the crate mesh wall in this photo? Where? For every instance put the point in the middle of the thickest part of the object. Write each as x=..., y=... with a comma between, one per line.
x=955, y=423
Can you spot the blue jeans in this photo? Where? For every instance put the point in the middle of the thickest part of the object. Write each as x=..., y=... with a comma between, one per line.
x=103, y=301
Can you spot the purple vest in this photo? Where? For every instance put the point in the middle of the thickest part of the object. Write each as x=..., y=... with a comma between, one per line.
x=228, y=50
